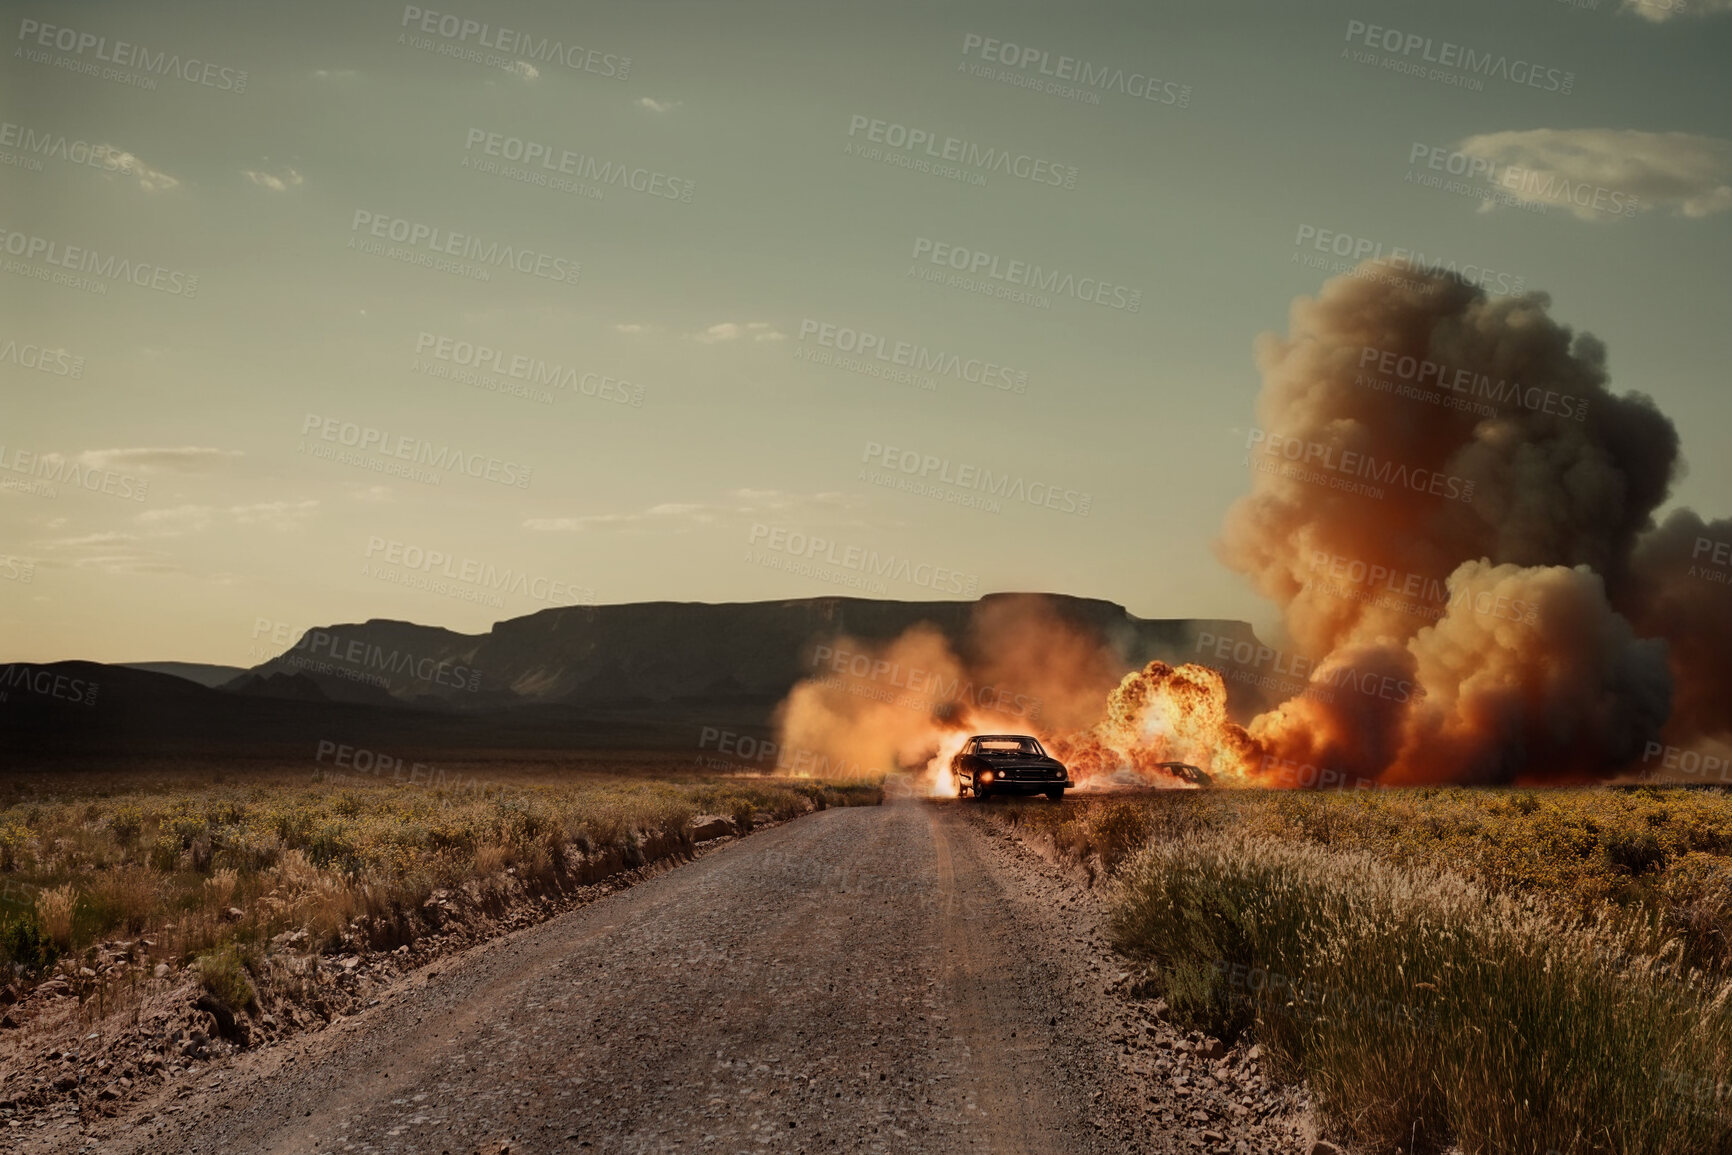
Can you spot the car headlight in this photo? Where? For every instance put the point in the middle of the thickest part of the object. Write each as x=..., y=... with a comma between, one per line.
x=986, y=776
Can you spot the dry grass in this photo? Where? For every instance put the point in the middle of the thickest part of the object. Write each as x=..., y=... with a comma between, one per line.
x=1423, y=1011
x=213, y=862
x=1503, y=970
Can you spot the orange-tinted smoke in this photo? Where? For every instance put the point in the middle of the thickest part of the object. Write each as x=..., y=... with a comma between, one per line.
x=1531, y=506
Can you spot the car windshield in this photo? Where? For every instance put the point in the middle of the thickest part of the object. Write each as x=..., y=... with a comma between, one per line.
x=1010, y=745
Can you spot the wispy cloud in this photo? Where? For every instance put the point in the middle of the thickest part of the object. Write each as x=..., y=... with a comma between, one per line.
x=1602, y=174
x=179, y=520
x=738, y=331
x=288, y=179
x=678, y=517
x=523, y=68
x=655, y=105
x=176, y=520
x=149, y=179
x=280, y=515
x=1660, y=11
x=632, y=329
x=111, y=552
x=185, y=459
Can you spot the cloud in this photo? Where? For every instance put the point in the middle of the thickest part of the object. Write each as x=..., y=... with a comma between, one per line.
x=523, y=68
x=737, y=504
x=149, y=179
x=178, y=520
x=335, y=75
x=112, y=552
x=655, y=105
x=279, y=515
x=736, y=331
x=186, y=459
x=1601, y=174
x=632, y=329
x=1660, y=11
x=290, y=179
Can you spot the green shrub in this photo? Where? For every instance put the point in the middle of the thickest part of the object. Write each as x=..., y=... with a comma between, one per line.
x=125, y=823
x=224, y=973
x=25, y=946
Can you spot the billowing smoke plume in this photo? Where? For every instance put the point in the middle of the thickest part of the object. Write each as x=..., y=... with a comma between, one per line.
x=1417, y=436
x=1455, y=515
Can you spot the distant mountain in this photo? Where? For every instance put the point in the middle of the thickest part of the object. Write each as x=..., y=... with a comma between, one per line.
x=201, y=672
x=660, y=651
x=645, y=675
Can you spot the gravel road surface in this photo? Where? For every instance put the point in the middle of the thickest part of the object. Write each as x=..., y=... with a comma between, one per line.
x=886, y=978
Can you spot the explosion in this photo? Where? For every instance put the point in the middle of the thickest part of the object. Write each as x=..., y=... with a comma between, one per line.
x=1454, y=515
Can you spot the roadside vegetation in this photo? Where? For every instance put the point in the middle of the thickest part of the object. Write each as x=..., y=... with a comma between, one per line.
x=1498, y=970
x=208, y=869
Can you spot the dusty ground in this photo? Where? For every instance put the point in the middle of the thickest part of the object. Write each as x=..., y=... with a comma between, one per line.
x=893, y=978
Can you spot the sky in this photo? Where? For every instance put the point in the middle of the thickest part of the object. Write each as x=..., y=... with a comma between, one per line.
x=335, y=311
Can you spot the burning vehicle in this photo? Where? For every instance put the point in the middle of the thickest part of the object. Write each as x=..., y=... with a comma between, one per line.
x=990, y=764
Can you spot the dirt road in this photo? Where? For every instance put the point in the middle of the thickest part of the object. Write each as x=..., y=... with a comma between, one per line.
x=863, y=979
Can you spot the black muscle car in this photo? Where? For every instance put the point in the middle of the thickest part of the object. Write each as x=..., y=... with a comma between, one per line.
x=990, y=764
